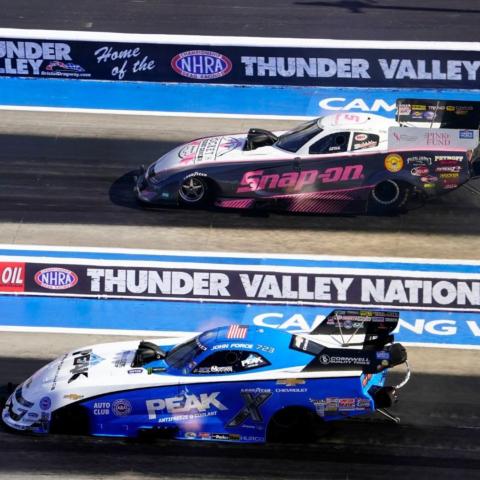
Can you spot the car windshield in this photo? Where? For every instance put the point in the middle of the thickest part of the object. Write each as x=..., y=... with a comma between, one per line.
x=296, y=138
x=181, y=355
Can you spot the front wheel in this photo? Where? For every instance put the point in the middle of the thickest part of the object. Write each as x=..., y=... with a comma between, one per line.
x=193, y=191
x=388, y=196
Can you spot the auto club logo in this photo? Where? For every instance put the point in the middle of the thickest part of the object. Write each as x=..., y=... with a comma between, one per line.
x=121, y=407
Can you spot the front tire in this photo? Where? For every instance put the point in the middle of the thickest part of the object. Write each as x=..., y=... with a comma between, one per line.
x=389, y=196
x=194, y=191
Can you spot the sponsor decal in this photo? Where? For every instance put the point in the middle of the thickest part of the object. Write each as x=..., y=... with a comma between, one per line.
x=225, y=436
x=466, y=134
x=204, y=435
x=419, y=160
x=382, y=355
x=291, y=382
x=201, y=64
x=420, y=171
x=73, y=396
x=101, y=408
x=124, y=358
x=346, y=404
x=12, y=277
x=257, y=180
x=121, y=407
x=448, y=159
x=253, y=361
x=331, y=404
x=446, y=169
x=28, y=58
x=449, y=175
x=135, y=371
x=250, y=410
x=393, y=162
x=363, y=404
x=45, y=403
x=190, y=435
x=57, y=372
x=56, y=278
x=82, y=361
x=213, y=369
x=429, y=179
x=319, y=406
x=441, y=139
x=184, y=404
x=207, y=149
x=367, y=144
x=360, y=137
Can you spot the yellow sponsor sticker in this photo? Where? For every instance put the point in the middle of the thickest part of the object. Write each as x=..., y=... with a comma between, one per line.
x=393, y=162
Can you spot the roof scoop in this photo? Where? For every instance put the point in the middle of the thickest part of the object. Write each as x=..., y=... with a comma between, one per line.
x=258, y=137
x=147, y=352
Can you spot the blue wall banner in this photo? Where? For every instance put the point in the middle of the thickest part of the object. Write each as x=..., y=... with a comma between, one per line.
x=122, y=291
x=225, y=60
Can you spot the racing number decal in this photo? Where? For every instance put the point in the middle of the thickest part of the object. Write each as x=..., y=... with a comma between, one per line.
x=250, y=409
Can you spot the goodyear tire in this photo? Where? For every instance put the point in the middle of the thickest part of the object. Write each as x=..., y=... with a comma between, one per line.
x=194, y=191
x=292, y=425
x=389, y=196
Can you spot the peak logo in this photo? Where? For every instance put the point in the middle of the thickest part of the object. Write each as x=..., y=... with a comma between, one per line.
x=184, y=404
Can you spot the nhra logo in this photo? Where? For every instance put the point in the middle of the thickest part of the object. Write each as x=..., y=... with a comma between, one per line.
x=56, y=278
x=201, y=64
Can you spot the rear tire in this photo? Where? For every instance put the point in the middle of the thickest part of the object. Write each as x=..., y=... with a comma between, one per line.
x=389, y=196
x=194, y=191
x=292, y=425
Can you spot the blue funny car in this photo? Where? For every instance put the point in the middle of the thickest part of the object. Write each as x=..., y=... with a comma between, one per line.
x=234, y=383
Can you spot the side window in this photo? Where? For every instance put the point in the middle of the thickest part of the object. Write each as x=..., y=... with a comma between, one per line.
x=334, y=143
x=230, y=361
x=364, y=140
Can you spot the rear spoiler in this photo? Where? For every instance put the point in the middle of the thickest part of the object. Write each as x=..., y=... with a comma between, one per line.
x=376, y=325
x=461, y=114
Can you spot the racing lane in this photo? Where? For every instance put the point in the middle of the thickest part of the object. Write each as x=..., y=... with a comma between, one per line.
x=439, y=435
x=62, y=171
x=341, y=19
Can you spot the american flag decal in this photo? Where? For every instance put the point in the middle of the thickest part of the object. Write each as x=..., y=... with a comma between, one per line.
x=237, y=331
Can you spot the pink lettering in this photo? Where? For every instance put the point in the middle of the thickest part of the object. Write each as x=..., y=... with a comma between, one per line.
x=249, y=182
x=306, y=178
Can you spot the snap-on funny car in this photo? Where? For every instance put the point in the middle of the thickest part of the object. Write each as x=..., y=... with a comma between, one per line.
x=340, y=163
x=234, y=383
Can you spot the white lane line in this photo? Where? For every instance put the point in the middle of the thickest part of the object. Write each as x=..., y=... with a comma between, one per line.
x=271, y=256
x=150, y=113
x=173, y=334
x=216, y=41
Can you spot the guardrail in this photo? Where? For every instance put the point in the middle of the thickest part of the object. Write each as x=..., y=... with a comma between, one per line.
x=140, y=292
x=200, y=74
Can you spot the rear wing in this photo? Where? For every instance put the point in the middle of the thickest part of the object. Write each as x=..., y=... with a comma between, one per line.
x=461, y=114
x=376, y=325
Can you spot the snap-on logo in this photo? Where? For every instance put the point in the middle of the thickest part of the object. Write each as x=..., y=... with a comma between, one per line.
x=201, y=64
x=56, y=278
x=294, y=181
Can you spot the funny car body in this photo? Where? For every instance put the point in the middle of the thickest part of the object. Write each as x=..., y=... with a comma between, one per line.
x=234, y=383
x=340, y=163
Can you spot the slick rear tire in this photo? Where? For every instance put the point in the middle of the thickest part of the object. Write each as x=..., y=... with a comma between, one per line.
x=194, y=192
x=293, y=425
x=389, y=196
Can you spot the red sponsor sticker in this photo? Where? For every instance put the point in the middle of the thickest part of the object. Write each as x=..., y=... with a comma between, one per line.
x=12, y=277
